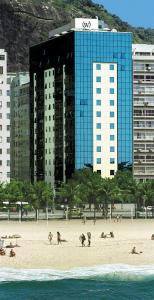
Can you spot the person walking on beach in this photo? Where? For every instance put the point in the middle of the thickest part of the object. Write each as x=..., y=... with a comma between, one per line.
x=89, y=238
x=50, y=236
x=58, y=238
x=84, y=219
x=82, y=239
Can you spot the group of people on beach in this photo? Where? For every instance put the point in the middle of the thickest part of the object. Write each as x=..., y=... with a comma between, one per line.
x=59, y=239
x=82, y=239
x=3, y=252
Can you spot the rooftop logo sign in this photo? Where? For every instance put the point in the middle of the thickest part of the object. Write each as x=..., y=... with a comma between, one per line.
x=86, y=25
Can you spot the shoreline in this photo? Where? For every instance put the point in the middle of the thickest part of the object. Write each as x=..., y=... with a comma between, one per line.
x=35, y=252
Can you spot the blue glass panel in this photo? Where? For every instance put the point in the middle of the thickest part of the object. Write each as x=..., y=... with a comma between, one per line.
x=98, y=149
x=98, y=125
x=98, y=91
x=111, y=102
x=98, y=66
x=112, y=160
x=98, y=114
x=111, y=125
x=111, y=67
x=98, y=137
x=98, y=102
x=111, y=79
x=111, y=114
x=112, y=137
x=112, y=149
x=98, y=79
x=98, y=160
x=111, y=91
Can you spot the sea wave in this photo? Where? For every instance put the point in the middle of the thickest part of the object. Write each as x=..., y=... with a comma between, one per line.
x=117, y=272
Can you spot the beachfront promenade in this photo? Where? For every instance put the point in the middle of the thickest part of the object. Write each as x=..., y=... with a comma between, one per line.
x=59, y=214
x=35, y=250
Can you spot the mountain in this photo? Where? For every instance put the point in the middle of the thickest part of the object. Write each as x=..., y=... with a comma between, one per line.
x=27, y=22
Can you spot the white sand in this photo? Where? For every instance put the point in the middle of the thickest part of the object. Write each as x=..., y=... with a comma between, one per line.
x=35, y=251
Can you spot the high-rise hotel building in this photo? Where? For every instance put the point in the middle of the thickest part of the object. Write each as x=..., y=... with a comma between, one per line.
x=5, y=80
x=20, y=140
x=81, y=101
x=143, y=69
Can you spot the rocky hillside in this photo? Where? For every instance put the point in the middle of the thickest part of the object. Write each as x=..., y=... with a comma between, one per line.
x=26, y=22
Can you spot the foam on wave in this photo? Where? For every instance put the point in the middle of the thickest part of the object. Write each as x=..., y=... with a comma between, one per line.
x=125, y=272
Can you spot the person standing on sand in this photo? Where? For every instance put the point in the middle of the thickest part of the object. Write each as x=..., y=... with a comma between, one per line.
x=89, y=238
x=84, y=219
x=50, y=236
x=82, y=239
x=94, y=221
x=58, y=238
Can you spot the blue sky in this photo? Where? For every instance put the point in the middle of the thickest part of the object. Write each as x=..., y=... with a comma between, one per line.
x=135, y=12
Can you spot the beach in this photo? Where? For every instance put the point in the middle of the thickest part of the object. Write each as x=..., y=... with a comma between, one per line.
x=35, y=252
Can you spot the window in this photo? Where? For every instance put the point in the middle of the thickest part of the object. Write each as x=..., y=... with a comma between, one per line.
x=98, y=102
x=98, y=125
x=111, y=79
x=112, y=160
x=111, y=67
x=0, y=139
x=98, y=149
x=0, y=115
x=0, y=92
x=111, y=137
x=98, y=114
x=8, y=163
x=0, y=151
x=0, y=127
x=98, y=79
x=99, y=172
x=98, y=137
x=98, y=66
x=111, y=172
x=8, y=151
x=1, y=70
x=8, y=104
x=111, y=91
x=8, y=174
x=8, y=139
x=0, y=162
x=112, y=149
x=8, y=92
x=2, y=57
x=115, y=55
x=111, y=114
x=8, y=116
x=8, y=127
x=98, y=160
x=111, y=125
x=98, y=91
x=111, y=102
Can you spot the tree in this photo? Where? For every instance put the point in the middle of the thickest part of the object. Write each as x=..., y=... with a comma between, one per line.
x=89, y=185
x=12, y=193
x=41, y=196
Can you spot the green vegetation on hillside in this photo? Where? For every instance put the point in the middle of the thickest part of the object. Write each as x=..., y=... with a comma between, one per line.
x=28, y=22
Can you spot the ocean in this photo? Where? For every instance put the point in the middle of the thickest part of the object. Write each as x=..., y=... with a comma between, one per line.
x=120, y=282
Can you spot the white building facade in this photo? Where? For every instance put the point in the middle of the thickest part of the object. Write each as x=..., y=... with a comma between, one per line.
x=5, y=81
x=143, y=68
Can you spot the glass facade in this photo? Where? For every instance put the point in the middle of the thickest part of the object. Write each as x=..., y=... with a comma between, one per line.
x=98, y=47
x=72, y=57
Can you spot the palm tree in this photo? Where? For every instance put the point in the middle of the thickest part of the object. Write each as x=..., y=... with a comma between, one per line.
x=41, y=195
